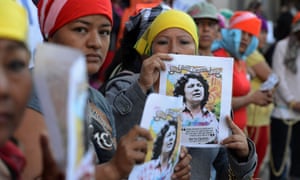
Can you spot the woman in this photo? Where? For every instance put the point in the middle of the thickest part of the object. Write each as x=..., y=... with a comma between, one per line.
x=168, y=34
x=89, y=31
x=194, y=90
x=285, y=118
x=161, y=164
x=239, y=41
x=15, y=75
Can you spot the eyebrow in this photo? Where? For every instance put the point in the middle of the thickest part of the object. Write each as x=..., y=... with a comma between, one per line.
x=89, y=23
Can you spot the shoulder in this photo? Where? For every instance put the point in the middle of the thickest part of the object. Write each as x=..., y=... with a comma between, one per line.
x=254, y=58
x=98, y=99
x=122, y=81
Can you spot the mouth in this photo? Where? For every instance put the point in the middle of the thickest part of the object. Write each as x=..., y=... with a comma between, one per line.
x=5, y=117
x=206, y=38
x=93, y=58
x=197, y=94
x=170, y=145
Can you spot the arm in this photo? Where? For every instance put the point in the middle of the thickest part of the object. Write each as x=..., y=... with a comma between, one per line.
x=258, y=97
x=131, y=150
x=240, y=155
x=262, y=70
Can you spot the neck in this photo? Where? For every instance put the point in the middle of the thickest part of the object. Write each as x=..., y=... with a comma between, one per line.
x=205, y=52
x=164, y=160
x=194, y=108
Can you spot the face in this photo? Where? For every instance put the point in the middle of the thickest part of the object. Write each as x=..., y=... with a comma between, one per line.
x=174, y=40
x=194, y=91
x=169, y=139
x=207, y=30
x=91, y=35
x=245, y=41
x=15, y=86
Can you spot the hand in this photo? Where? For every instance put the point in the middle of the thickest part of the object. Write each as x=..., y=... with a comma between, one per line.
x=50, y=168
x=237, y=141
x=183, y=167
x=296, y=107
x=262, y=98
x=150, y=70
x=131, y=150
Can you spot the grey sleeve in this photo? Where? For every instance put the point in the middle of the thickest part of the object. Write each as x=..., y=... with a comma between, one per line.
x=238, y=170
x=244, y=170
x=34, y=102
x=127, y=100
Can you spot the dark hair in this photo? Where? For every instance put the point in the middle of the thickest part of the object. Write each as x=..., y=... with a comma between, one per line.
x=180, y=84
x=158, y=144
x=126, y=58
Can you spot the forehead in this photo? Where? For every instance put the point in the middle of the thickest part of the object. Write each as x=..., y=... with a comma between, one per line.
x=192, y=80
x=205, y=20
x=171, y=32
x=11, y=46
x=98, y=20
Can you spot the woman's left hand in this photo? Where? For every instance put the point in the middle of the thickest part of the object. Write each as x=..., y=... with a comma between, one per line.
x=183, y=167
x=50, y=168
x=237, y=141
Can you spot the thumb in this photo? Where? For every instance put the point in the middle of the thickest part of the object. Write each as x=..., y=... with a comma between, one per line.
x=234, y=128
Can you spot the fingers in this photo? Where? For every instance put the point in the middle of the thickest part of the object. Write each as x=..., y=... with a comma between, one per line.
x=234, y=128
x=50, y=169
x=139, y=132
x=183, y=167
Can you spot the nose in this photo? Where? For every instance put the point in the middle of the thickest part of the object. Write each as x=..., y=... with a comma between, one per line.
x=94, y=40
x=173, y=48
x=246, y=36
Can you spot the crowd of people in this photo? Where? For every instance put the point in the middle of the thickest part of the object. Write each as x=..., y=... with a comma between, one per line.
x=124, y=62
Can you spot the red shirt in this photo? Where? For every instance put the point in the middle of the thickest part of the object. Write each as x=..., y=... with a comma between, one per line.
x=240, y=87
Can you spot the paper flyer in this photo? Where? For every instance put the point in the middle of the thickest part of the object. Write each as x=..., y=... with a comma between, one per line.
x=61, y=84
x=162, y=116
x=205, y=84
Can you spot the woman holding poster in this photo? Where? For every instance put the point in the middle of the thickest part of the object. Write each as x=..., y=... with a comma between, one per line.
x=174, y=32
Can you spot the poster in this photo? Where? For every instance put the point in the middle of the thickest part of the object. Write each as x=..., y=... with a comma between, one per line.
x=61, y=84
x=162, y=116
x=205, y=84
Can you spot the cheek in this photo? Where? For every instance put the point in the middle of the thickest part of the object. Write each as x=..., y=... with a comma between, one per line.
x=21, y=94
x=160, y=49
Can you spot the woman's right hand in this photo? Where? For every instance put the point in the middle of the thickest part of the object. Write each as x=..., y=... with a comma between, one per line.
x=131, y=150
x=261, y=98
x=150, y=70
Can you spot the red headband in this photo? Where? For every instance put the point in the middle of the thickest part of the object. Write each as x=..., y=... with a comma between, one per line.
x=53, y=14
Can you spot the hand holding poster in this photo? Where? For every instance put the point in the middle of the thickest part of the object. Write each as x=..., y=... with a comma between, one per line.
x=205, y=83
x=162, y=116
x=61, y=83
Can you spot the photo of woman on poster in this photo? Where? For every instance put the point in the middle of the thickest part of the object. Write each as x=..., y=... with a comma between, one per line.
x=195, y=92
x=162, y=162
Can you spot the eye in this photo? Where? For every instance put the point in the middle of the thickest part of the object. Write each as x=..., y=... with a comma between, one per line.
x=104, y=33
x=16, y=65
x=183, y=41
x=80, y=30
x=161, y=42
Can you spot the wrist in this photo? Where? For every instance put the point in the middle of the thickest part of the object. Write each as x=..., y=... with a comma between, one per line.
x=143, y=87
x=108, y=171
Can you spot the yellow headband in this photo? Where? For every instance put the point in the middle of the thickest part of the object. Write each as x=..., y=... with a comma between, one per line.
x=13, y=21
x=168, y=19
